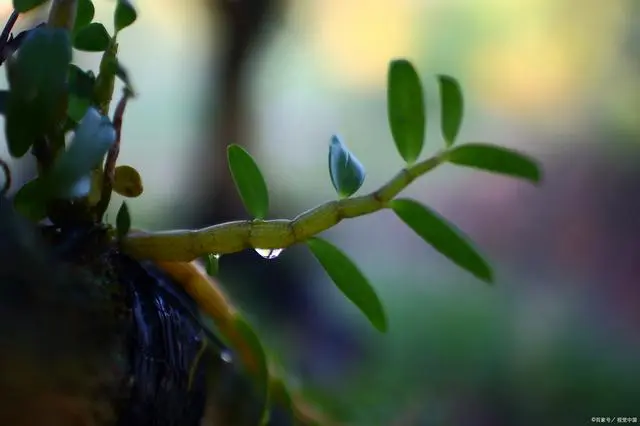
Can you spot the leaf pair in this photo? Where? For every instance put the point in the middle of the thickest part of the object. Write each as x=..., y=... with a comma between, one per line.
x=406, y=109
x=93, y=36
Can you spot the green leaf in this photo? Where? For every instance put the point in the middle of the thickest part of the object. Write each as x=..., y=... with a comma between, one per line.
x=30, y=202
x=406, y=110
x=496, y=159
x=249, y=181
x=346, y=171
x=280, y=395
x=258, y=368
x=84, y=14
x=37, y=79
x=452, y=108
x=92, y=38
x=121, y=72
x=123, y=221
x=127, y=181
x=4, y=99
x=212, y=264
x=23, y=6
x=124, y=15
x=81, y=82
x=348, y=278
x=93, y=138
x=443, y=236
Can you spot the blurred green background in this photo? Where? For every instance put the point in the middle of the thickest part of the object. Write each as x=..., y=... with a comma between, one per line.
x=557, y=340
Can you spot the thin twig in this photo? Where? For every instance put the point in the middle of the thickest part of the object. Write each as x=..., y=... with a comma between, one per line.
x=112, y=157
x=5, y=36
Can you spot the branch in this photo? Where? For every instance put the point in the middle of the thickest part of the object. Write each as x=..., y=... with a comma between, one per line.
x=231, y=237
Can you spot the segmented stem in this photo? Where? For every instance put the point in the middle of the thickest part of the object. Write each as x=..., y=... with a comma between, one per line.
x=231, y=237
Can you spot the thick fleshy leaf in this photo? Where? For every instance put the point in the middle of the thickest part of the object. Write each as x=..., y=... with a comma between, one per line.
x=92, y=38
x=249, y=181
x=84, y=15
x=496, y=159
x=452, y=104
x=124, y=15
x=442, y=236
x=348, y=278
x=406, y=109
x=346, y=171
x=254, y=358
x=123, y=221
x=127, y=182
x=37, y=78
x=93, y=137
x=30, y=202
x=23, y=6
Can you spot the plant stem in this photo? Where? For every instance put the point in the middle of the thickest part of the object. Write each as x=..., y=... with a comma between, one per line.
x=63, y=14
x=231, y=237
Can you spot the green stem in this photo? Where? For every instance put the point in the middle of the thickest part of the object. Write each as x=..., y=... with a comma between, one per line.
x=63, y=14
x=231, y=237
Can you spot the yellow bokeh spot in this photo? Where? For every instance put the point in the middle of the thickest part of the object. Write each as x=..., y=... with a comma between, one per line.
x=357, y=38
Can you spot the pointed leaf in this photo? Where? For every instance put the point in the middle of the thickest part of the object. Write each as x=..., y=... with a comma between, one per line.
x=23, y=6
x=124, y=15
x=452, y=108
x=127, y=182
x=406, y=110
x=249, y=181
x=496, y=159
x=442, y=236
x=346, y=171
x=348, y=278
x=84, y=14
x=92, y=38
x=123, y=221
x=93, y=137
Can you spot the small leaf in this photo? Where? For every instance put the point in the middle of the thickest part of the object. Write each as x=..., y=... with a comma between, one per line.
x=4, y=98
x=496, y=159
x=255, y=359
x=84, y=14
x=30, y=202
x=93, y=137
x=249, y=181
x=127, y=182
x=37, y=78
x=81, y=85
x=452, y=108
x=348, y=278
x=212, y=264
x=124, y=15
x=123, y=221
x=406, y=110
x=443, y=236
x=121, y=72
x=346, y=171
x=92, y=38
x=23, y=6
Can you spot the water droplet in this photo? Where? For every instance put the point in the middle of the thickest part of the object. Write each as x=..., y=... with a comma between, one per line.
x=269, y=253
x=226, y=356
